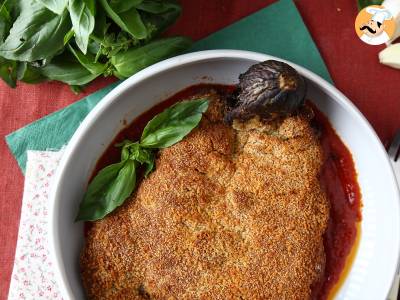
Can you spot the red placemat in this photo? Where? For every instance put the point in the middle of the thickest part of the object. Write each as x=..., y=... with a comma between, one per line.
x=353, y=65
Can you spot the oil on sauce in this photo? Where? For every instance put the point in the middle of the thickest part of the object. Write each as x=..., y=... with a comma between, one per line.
x=338, y=177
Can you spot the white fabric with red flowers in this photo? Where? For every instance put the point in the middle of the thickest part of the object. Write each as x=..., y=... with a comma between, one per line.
x=33, y=276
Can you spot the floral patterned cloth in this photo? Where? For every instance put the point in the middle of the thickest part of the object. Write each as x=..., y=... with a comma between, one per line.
x=32, y=276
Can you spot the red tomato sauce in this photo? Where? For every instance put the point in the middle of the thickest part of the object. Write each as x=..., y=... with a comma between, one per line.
x=338, y=177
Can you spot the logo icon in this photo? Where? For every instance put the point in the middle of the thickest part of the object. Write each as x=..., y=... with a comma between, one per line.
x=375, y=25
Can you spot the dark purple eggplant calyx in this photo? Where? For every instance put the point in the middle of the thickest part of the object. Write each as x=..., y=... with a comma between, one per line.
x=268, y=90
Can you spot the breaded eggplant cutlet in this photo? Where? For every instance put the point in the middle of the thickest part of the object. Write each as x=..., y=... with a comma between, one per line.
x=233, y=211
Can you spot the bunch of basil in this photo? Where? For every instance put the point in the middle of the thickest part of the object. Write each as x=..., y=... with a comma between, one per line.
x=75, y=41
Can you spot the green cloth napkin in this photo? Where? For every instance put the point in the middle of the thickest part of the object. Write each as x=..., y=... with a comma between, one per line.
x=276, y=30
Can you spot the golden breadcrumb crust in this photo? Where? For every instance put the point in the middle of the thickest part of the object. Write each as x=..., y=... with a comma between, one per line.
x=231, y=212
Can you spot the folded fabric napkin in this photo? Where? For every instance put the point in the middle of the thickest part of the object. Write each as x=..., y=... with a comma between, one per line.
x=277, y=30
x=32, y=276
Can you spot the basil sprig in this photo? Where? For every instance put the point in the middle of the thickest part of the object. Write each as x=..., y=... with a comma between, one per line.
x=116, y=182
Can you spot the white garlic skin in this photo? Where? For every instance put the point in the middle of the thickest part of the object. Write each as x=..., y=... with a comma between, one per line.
x=390, y=56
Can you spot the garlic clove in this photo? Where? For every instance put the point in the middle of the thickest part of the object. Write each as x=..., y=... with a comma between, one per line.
x=390, y=56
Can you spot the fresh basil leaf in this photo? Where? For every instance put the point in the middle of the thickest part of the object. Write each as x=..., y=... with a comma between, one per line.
x=88, y=61
x=125, y=153
x=173, y=124
x=157, y=23
x=21, y=69
x=123, y=5
x=98, y=54
x=37, y=33
x=158, y=7
x=93, y=48
x=108, y=190
x=8, y=72
x=8, y=68
x=68, y=36
x=29, y=74
x=364, y=3
x=91, y=4
x=5, y=19
x=56, y=6
x=82, y=17
x=124, y=184
x=133, y=60
x=67, y=69
x=118, y=75
x=101, y=25
x=126, y=146
x=4, y=10
x=129, y=21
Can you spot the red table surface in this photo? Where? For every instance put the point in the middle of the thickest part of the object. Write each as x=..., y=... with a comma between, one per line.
x=354, y=66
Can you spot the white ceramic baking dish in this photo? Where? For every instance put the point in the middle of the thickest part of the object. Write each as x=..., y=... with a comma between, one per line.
x=375, y=263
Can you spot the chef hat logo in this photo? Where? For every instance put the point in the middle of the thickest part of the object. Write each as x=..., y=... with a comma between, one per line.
x=375, y=25
x=379, y=14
